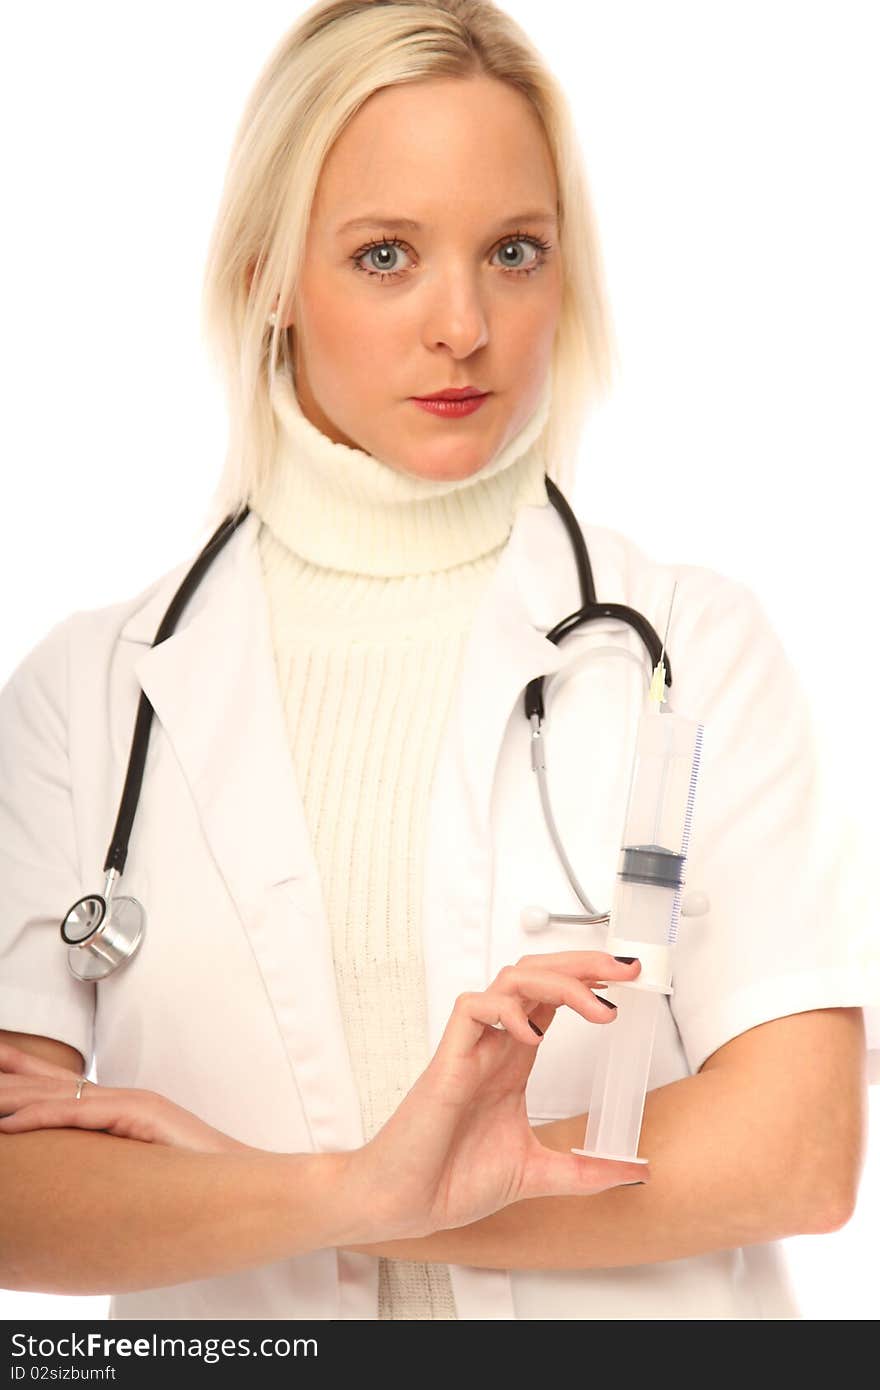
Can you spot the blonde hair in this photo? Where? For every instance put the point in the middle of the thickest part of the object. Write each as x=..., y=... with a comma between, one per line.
x=324, y=68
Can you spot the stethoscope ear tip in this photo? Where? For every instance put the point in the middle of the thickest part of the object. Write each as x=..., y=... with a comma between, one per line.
x=695, y=904
x=533, y=918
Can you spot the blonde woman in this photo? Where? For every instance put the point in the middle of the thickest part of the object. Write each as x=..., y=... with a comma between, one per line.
x=339, y=1079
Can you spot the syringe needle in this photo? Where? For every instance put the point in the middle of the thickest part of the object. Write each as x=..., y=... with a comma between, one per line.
x=668, y=620
x=657, y=691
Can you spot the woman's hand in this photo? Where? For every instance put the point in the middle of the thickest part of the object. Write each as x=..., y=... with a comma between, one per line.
x=35, y=1094
x=459, y=1146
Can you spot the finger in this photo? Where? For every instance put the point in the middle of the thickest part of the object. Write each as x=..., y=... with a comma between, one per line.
x=552, y=988
x=59, y=1114
x=551, y=1174
x=16, y=1091
x=16, y=1060
x=63, y=1085
x=542, y=1015
x=507, y=1011
x=595, y=966
x=473, y=1011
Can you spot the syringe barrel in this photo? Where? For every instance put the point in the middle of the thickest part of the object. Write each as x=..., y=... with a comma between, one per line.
x=644, y=923
x=621, y=1078
x=656, y=831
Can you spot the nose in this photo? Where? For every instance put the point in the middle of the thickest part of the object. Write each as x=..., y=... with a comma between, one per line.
x=457, y=319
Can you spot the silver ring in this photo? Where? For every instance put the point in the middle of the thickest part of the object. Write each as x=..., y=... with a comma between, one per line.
x=79, y=1086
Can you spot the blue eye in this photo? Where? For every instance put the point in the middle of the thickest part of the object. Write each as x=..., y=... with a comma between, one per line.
x=385, y=243
x=539, y=248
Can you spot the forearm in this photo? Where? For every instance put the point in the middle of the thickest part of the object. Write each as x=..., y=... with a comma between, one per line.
x=88, y=1213
x=715, y=1183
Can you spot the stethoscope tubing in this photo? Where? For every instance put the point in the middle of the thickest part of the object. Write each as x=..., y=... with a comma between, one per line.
x=106, y=945
x=590, y=610
x=118, y=850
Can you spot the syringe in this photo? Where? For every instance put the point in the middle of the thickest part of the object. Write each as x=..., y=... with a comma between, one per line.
x=644, y=920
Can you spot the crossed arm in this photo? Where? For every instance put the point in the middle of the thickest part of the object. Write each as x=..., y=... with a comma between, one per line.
x=766, y=1141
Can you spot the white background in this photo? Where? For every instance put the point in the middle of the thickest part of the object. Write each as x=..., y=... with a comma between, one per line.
x=730, y=152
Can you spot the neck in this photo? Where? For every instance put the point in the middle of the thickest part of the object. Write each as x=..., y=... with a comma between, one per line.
x=344, y=509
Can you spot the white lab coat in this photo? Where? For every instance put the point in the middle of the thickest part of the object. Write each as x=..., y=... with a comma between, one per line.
x=231, y=1009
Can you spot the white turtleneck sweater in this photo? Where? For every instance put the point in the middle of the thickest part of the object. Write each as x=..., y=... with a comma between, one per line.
x=373, y=577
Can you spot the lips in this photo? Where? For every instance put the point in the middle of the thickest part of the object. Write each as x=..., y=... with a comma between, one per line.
x=454, y=409
x=462, y=393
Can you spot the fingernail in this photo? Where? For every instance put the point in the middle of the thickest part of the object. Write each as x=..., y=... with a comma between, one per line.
x=607, y=1002
x=626, y=960
x=638, y=1182
x=535, y=1029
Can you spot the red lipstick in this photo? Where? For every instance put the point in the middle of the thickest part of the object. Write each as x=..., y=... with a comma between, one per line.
x=454, y=401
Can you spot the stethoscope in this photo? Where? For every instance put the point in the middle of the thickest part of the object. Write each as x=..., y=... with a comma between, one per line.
x=102, y=932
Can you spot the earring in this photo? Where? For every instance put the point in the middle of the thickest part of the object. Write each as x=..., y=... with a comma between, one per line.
x=271, y=320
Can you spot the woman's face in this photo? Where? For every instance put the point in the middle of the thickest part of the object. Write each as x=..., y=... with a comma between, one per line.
x=467, y=297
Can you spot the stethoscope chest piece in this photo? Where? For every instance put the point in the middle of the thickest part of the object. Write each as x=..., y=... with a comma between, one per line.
x=102, y=934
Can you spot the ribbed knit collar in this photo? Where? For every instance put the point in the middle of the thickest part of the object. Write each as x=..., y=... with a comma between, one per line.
x=344, y=509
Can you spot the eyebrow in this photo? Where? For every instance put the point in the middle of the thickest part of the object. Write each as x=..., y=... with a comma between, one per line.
x=407, y=224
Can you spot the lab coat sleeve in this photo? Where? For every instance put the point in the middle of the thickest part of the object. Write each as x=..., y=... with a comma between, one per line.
x=39, y=868
x=790, y=926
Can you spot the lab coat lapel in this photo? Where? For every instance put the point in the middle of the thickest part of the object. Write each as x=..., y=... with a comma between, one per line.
x=214, y=690
x=532, y=588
